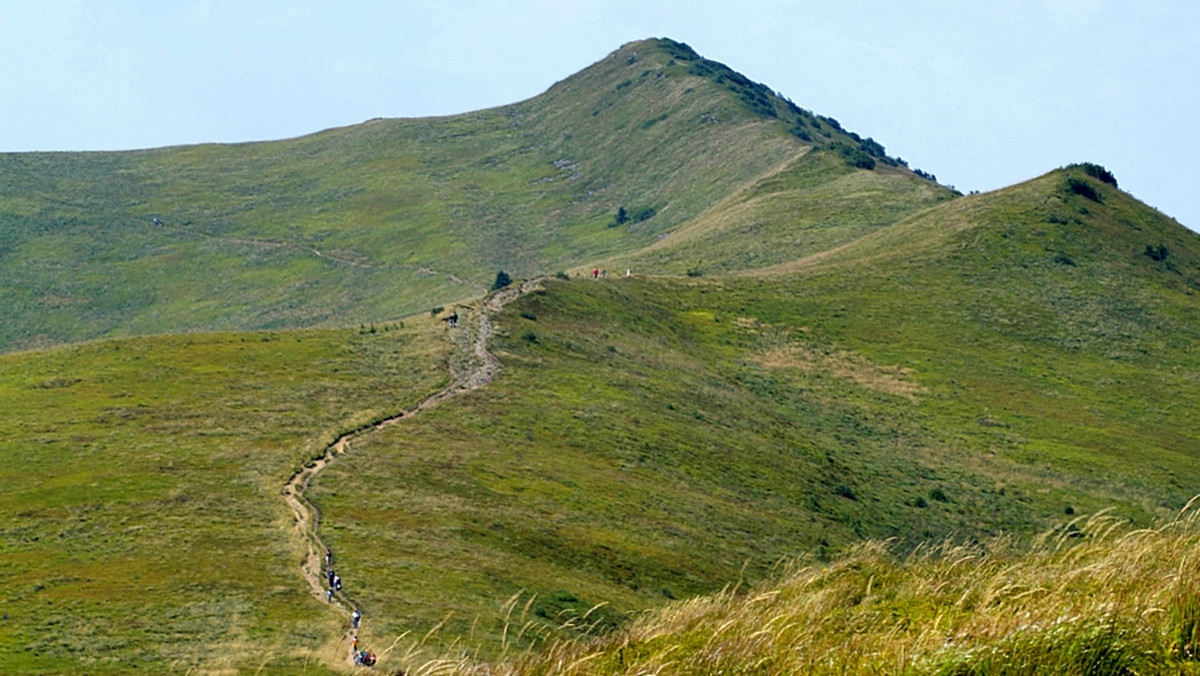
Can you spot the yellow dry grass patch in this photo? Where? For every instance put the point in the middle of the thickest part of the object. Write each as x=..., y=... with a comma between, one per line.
x=843, y=364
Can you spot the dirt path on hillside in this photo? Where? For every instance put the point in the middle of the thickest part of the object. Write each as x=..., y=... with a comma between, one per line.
x=471, y=367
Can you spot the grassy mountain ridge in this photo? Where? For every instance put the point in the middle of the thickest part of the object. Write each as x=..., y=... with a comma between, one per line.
x=382, y=219
x=852, y=354
x=728, y=422
x=648, y=439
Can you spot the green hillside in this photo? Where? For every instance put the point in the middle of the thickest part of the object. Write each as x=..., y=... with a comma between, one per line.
x=817, y=347
x=390, y=217
x=141, y=523
x=653, y=438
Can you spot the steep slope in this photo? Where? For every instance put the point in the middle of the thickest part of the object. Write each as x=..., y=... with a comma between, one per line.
x=392, y=216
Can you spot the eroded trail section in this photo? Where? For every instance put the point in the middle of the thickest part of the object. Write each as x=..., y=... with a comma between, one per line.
x=471, y=367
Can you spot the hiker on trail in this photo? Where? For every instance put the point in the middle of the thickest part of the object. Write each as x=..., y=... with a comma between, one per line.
x=595, y=273
x=354, y=646
x=328, y=558
x=628, y=272
x=329, y=576
x=329, y=595
x=337, y=583
x=354, y=618
x=157, y=222
x=453, y=320
x=604, y=273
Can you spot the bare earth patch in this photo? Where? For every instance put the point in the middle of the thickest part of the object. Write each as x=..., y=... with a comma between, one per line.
x=843, y=364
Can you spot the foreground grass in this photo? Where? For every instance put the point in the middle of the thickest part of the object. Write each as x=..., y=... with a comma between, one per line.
x=1093, y=597
x=141, y=526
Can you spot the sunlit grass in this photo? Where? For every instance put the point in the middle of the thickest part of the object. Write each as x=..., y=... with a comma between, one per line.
x=142, y=523
x=1091, y=597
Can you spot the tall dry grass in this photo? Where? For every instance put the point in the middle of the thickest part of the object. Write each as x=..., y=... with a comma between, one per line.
x=1092, y=597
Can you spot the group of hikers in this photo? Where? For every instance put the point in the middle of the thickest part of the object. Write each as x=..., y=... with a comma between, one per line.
x=364, y=657
x=597, y=273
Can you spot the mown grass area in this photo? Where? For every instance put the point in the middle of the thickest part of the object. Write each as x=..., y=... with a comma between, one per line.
x=391, y=217
x=654, y=438
x=1097, y=599
x=141, y=523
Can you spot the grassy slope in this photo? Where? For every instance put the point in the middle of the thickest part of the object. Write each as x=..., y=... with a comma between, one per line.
x=815, y=203
x=649, y=438
x=1105, y=601
x=142, y=525
x=385, y=218
x=973, y=369
x=653, y=438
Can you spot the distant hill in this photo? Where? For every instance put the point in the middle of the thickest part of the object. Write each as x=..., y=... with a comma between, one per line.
x=390, y=217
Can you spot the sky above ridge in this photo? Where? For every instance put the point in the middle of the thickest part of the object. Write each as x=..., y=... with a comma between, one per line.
x=982, y=94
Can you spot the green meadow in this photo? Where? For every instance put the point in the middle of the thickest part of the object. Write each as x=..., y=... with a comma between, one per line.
x=143, y=525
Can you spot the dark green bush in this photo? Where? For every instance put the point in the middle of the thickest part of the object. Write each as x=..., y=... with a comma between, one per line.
x=1083, y=189
x=800, y=132
x=1097, y=172
x=502, y=280
x=925, y=175
x=620, y=219
x=854, y=157
x=644, y=213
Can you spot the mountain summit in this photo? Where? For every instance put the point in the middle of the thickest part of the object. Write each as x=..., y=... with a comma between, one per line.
x=653, y=156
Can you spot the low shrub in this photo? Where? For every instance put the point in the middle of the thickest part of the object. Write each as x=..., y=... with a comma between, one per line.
x=643, y=214
x=1083, y=189
x=1097, y=172
x=1157, y=253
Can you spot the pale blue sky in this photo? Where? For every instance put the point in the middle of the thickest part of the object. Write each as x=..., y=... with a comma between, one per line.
x=982, y=94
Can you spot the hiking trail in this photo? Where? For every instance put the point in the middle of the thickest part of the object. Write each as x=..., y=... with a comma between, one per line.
x=471, y=367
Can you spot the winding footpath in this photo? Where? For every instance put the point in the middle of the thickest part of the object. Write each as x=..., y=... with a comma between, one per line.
x=471, y=367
